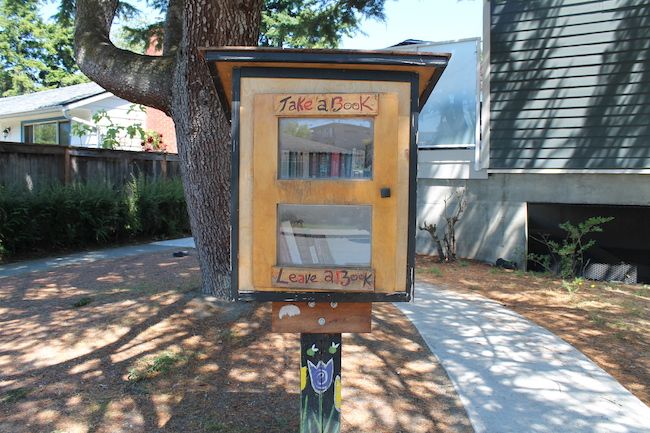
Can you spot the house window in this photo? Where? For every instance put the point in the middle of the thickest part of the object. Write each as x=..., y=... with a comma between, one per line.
x=55, y=132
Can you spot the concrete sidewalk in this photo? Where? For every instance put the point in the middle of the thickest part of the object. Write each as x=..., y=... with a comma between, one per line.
x=516, y=377
x=17, y=268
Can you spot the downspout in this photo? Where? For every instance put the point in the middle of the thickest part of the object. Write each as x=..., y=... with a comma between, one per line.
x=67, y=115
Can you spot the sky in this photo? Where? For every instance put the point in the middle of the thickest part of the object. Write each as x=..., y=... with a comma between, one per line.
x=429, y=20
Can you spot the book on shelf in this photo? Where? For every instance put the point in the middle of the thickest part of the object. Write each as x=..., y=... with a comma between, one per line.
x=335, y=164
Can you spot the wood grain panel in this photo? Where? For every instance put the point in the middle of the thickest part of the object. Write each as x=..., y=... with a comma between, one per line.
x=321, y=317
x=386, y=229
x=250, y=88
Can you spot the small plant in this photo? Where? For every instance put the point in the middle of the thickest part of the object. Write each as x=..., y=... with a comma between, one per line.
x=436, y=271
x=574, y=285
x=80, y=129
x=597, y=319
x=448, y=253
x=159, y=364
x=15, y=395
x=566, y=258
x=82, y=302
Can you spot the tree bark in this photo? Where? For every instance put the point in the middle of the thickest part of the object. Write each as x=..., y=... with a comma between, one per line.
x=180, y=84
x=203, y=130
x=136, y=78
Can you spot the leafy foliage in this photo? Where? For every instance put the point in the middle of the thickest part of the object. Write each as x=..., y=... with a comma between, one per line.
x=285, y=23
x=566, y=257
x=113, y=135
x=34, y=54
x=65, y=217
x=314, y=23
x=37, y=54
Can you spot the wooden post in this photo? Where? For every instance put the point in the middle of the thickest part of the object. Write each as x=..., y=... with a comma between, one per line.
x=320, y=383
x=67, y=166
x=163, y=166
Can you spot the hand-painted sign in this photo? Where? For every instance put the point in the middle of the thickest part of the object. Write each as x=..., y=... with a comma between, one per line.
x=349, y=279
x=324, y=104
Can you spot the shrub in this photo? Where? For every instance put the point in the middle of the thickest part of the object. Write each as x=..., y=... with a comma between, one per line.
x=158, y=207
x=71, y=217
x=566, y=258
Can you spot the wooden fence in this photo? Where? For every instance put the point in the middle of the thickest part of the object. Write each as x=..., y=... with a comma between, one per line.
x=33, y=165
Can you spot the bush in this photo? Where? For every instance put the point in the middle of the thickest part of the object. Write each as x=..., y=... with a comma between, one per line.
x=566, y=257
x=158, y=207
x=72, y=217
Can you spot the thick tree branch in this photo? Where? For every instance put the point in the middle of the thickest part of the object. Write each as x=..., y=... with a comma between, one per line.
x=141, y=79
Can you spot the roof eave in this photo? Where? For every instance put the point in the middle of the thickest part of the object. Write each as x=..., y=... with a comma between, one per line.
x=32, y=112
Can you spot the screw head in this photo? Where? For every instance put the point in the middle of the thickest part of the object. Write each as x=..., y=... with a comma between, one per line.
x=321, y=321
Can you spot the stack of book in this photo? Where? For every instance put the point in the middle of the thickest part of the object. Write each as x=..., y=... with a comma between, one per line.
x=313, y=165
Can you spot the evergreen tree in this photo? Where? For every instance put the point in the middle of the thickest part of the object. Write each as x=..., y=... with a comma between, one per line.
x=34, y=54
x=314, y=23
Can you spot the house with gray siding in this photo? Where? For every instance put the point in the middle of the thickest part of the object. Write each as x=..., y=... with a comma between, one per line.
x=565, y=132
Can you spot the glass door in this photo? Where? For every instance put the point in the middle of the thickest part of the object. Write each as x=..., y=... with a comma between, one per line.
x=325, y=193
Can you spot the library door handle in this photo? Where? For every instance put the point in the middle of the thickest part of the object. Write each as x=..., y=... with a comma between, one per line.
x=384, y=192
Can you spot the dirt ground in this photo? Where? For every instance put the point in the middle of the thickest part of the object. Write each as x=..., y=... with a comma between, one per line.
x=129, y=345
x=608, y=322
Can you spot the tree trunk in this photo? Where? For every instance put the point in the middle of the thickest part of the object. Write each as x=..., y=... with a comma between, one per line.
x=203, y=130
x=185, y=91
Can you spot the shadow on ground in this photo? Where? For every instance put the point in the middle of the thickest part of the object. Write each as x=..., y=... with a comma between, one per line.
x=128, y=345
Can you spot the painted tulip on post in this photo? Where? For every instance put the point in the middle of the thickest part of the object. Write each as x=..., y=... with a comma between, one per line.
x=321, y=375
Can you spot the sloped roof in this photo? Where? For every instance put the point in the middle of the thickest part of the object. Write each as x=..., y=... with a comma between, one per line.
x=52, y=98
x=408, y=42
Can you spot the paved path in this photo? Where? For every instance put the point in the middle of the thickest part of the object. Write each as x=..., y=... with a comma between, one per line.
x=516, y=377
x=17, y=268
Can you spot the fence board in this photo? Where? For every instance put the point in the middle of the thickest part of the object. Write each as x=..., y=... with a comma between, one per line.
x=37, y=165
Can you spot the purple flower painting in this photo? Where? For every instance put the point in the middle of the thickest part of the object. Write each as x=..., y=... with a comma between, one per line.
x=321, y=375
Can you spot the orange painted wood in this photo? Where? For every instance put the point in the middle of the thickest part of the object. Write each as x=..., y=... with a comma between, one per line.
x=321, y=317
x=390, y=161
x=331, y=279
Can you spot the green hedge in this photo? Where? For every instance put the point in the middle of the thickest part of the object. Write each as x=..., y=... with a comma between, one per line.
x=72, y=217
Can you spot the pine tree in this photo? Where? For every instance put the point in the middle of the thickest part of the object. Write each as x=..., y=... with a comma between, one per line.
x=34, y=54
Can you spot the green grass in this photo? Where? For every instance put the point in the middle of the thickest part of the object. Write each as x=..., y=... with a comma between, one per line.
x=211, y=426
x=435, y=270
x=15, y=395
x=597, y=319
x=644, y=291
x=159, y=364
x=574, y=285
x=82, y=302
x=494, y=270
x=463, y=263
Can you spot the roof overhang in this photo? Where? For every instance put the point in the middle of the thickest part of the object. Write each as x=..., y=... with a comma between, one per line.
x=223, y=60
x=69, y=105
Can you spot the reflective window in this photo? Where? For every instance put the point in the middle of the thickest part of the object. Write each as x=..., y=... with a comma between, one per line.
x=322, y=148
x=328, y=235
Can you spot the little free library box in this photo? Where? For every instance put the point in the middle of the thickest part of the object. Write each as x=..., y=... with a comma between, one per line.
x=323, y=170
